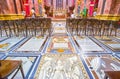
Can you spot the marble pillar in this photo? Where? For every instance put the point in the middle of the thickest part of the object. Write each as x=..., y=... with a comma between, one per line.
x=19, y=7
x=31, y=4
x=107, y=7
x=115, y=7
x=36, y=7
x=64, y=4
x=4, y=8
x=110, y=7
x=10, y=4
x=54, y=7
x=99, y=7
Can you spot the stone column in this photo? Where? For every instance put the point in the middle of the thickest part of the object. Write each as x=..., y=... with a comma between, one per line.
x=115, y=7
x=99, y=7
x=64, y=4
x=36, y=7
x=4, y=7
x=18, y=6
x=107, y=7
x=31, y=4
x=54, y=7
x=76, y=7
x=11, y=7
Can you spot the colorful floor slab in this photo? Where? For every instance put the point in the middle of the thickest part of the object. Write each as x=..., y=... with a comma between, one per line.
x=1, y=55
x=59, y=28
x=7, y=44
x=87, y=45
x=60, y=44
x=118, y=55
x=118, y=37
x=59, y=24
x=27, y=64
x=2, y=38
x=34, y=44
x=98, y=65
x=61, y=66
x=114, y=45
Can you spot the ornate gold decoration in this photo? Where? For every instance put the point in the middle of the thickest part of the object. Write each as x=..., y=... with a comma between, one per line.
x=11, y=17
x=108, y=17
x=40, y=1
x=79, y=2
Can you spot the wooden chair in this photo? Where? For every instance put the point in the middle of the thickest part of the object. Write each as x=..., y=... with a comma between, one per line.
x=89, y=27
x=113, y=28
x=105, y=28
x=7, y=67
x=6, y=28
x=70, y=25
x=20, y=27
x=1, y=28
x=37, y=26
x=82, y=27
x=29, y=27
x=97, y=28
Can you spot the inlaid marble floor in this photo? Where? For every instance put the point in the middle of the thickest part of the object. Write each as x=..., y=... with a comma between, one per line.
x=62, y=56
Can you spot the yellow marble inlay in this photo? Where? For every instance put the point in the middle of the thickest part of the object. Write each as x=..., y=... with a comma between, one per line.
x=4, y=45
x=111, y=42
x=38, y=37
x=60, y=39
x=59, y=28
x=103, y=38
x=60, y=50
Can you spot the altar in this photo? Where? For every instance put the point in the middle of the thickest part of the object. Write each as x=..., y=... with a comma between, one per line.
x=59, y=14
x=58, y=9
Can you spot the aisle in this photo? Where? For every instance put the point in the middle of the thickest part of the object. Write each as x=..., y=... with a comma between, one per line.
x=61, y=60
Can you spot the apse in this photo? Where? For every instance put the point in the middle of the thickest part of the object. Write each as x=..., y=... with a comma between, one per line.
x=59, y=8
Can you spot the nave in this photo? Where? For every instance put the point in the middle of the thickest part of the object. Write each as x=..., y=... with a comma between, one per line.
x=62, y=55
